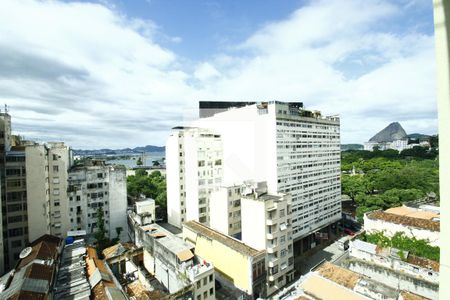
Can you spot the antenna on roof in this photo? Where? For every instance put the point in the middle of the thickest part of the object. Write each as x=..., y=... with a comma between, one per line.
x=6, y=109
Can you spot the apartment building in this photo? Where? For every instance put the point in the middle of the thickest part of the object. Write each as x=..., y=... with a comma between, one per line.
x=269, y=228
x=294, y=150
x=33, y=190
x=96, y=185
x=225, y=210
x=194, y=167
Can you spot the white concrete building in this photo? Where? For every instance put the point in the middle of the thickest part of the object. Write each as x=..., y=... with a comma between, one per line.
x=172, y=262
x=225, y=205
x=267, y=226
x=420, y=224
x=194, y=168
x=93, y=186
x=294, y=150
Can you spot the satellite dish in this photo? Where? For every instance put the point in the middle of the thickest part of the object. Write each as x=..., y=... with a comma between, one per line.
x=25, y=252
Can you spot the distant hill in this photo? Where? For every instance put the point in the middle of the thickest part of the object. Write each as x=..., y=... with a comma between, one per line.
x=392, y=132
x=418, y=136
x=125, y=151
x=345, y=147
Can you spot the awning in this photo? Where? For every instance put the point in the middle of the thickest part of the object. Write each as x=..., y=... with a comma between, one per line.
x=185, y=255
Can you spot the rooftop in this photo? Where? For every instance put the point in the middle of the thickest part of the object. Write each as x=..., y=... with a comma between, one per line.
x=339, y=275
x=323, y=288
x=413, y=213
x=169, y=241
x=404, y=220
x=222, y=238
x=33, y=276
x=71, y=282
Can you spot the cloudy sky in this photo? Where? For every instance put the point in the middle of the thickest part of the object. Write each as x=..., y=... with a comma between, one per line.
x=120, y=73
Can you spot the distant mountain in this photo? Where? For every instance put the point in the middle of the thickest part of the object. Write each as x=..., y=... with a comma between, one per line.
x=392, y=132
x=345, y=147
x=125, y=151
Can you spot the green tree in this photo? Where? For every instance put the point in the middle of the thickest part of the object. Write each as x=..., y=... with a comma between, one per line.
x=100, y=233
x=139, y=161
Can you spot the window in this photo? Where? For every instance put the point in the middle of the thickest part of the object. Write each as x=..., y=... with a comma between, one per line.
x=199, y=284
x=99, y=175
x=16, y=244
x=15, y=232
x=210, y=278
x=199, y=297
x=57, y=203
x=55, y=157
x=14, y=207
x=55, y=168
x=211, y=291
x=14, y=219
x=205, y=295
x=205, y=281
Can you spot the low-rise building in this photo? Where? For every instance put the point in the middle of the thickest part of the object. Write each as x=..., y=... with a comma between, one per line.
x=234, y=262
x=34, y=273
x=171, y=261
x=420, y=223
x=397, y=269
x=329, y=281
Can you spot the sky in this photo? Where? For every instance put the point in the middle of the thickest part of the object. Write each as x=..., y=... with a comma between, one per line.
x=122, y=73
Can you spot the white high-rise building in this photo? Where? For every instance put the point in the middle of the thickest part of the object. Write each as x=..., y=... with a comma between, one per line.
x=193, y=169
x=294, y=150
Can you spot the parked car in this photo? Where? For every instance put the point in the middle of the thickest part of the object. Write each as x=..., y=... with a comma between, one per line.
x=348, y=231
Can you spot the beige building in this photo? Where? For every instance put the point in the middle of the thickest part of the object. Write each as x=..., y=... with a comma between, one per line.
x=236, y=264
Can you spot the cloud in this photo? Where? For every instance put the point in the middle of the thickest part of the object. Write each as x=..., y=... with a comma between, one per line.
x=87, y=74
x=340, y=57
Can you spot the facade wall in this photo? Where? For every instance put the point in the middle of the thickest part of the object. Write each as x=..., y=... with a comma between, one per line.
x=225, y=205
x=270, y=229
x=91, y=187
x=442, y=36
x=396, y=265
x=389, y=229
x=175, y=179
x=16, y=203
x=117, y=204
x=233, y=265
x=59, y=162
x=38, y=191
x=396, y=280
x=194, y=168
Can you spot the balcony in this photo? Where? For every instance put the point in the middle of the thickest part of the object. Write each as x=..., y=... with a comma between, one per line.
x=270, y=236
x=270, y=222
x=272, y=262
x=271, y=248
